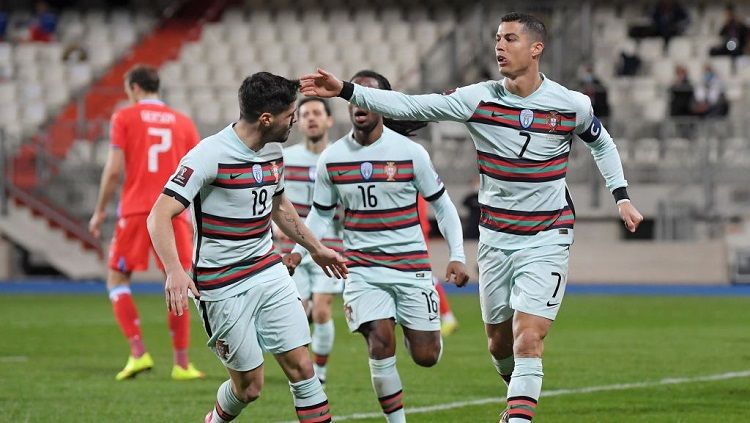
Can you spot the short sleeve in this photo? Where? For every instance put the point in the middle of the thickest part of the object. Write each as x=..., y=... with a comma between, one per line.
x=426, y=179
x=325, y=194
x=117, y=136
x=195, y=171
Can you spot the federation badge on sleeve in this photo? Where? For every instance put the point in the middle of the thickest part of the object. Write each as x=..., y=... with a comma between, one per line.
x=390, y=171
x=366, y=170
x=183, y=176
x=526, y=118
x=258, y=173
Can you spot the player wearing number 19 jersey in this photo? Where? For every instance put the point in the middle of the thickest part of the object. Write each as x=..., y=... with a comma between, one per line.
x=376, y=173
x=148, y=139
x=522, y=127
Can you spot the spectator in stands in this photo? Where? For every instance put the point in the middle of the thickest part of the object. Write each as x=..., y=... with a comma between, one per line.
x=668, y=19
x=597, y=92
x=734, y=35
x=44, y=24
x=709, y=97
x=630, y=62
x=681, y=93
x=3, y=24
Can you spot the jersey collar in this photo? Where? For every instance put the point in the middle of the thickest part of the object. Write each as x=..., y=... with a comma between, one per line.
x=151, y=101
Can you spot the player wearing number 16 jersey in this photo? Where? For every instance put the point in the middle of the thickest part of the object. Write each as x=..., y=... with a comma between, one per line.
x=148, y=139
x=376, y=173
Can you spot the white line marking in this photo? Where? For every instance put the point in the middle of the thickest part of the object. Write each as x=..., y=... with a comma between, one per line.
x=14, y=359
x=556, y=393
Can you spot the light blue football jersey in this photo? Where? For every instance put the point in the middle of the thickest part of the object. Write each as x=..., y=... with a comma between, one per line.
x=523, y=144
x=230, y=190
x=378, y=186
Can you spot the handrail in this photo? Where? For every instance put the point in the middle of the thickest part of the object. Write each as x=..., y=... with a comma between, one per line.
x=66, y=223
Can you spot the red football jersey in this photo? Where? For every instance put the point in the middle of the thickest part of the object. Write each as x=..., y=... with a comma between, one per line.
x=153, y=139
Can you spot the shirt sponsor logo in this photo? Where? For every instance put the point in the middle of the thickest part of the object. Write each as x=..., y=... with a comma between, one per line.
x=183, y=176
x=258, y=173
x=526, y=118
x=390, y=171
x=366, y=170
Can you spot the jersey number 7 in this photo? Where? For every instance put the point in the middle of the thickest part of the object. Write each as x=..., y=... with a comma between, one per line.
x=162, y=147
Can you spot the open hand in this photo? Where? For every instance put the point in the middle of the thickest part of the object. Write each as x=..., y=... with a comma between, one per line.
x=332, y=263
x=320, y=84
x=176, y=290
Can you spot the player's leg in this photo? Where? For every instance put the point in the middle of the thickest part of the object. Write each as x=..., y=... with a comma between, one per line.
x=417, y=311
x=371, y=310
x=323, y=333
x=231, y=327
x=179, y=326
x=448, y=322
x=283, y=331
x=495, y=283
x=539, y=286
x=128, y=252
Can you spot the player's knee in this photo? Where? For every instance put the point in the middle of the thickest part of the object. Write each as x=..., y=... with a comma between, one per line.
x=321, y=314
x=500, y=348
x=528, y=343
x=427, y=357
x=250, y=393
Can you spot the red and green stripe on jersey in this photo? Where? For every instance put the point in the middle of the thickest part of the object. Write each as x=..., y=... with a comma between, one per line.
x=381, y=220
x=219, y=227
x=371, y=171
x=248, y=175
x=208, y=278
x=409, y=261
x=541, y=121
x=299, y=173
x=525, y=223
x=522, y=170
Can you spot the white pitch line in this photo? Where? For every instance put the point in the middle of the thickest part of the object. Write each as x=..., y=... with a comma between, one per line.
x=556, y=393
x=14, y=359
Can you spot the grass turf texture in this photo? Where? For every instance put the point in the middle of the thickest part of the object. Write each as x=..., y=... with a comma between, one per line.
x=59, y=355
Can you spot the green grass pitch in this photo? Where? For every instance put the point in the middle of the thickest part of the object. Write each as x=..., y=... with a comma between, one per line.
x=59, y=355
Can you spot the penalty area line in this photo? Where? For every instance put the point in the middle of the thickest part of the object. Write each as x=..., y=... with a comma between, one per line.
x=557, y=393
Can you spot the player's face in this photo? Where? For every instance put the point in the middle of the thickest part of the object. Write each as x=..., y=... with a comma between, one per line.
x=362, y=119
x=282, y=125
x=515, y=49
x=314, y=121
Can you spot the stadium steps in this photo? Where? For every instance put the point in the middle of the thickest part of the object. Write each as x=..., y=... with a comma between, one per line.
x=100, y=100
x=66, y=254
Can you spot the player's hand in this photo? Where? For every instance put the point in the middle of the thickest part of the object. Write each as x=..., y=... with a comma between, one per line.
x=291, y=261
x=630, y=215
x=320, y=84
x=95, y=223
x=176, y=290
x=332, y=263
x=456, y=273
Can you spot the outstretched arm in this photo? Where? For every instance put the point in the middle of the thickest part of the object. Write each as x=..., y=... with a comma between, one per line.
x=455, y=106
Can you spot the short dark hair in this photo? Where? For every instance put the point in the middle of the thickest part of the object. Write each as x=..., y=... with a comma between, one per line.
x=145, y=76
x=531, y=24
x=403, y=127
x=306, y=100
x=265, y=92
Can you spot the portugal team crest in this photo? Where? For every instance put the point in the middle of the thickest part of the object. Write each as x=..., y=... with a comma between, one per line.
x=258, y=173
x=390, y=171
x=222, y=349
x=275, y=172
x=348, y=313
x=526, y=118
x=366, y=170
x=553, y=120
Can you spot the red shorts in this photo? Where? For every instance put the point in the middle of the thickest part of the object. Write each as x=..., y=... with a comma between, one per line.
x=131, y=244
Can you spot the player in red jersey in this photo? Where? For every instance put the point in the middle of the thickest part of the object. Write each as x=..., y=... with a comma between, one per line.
x=148, y=139
x=448, y=322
